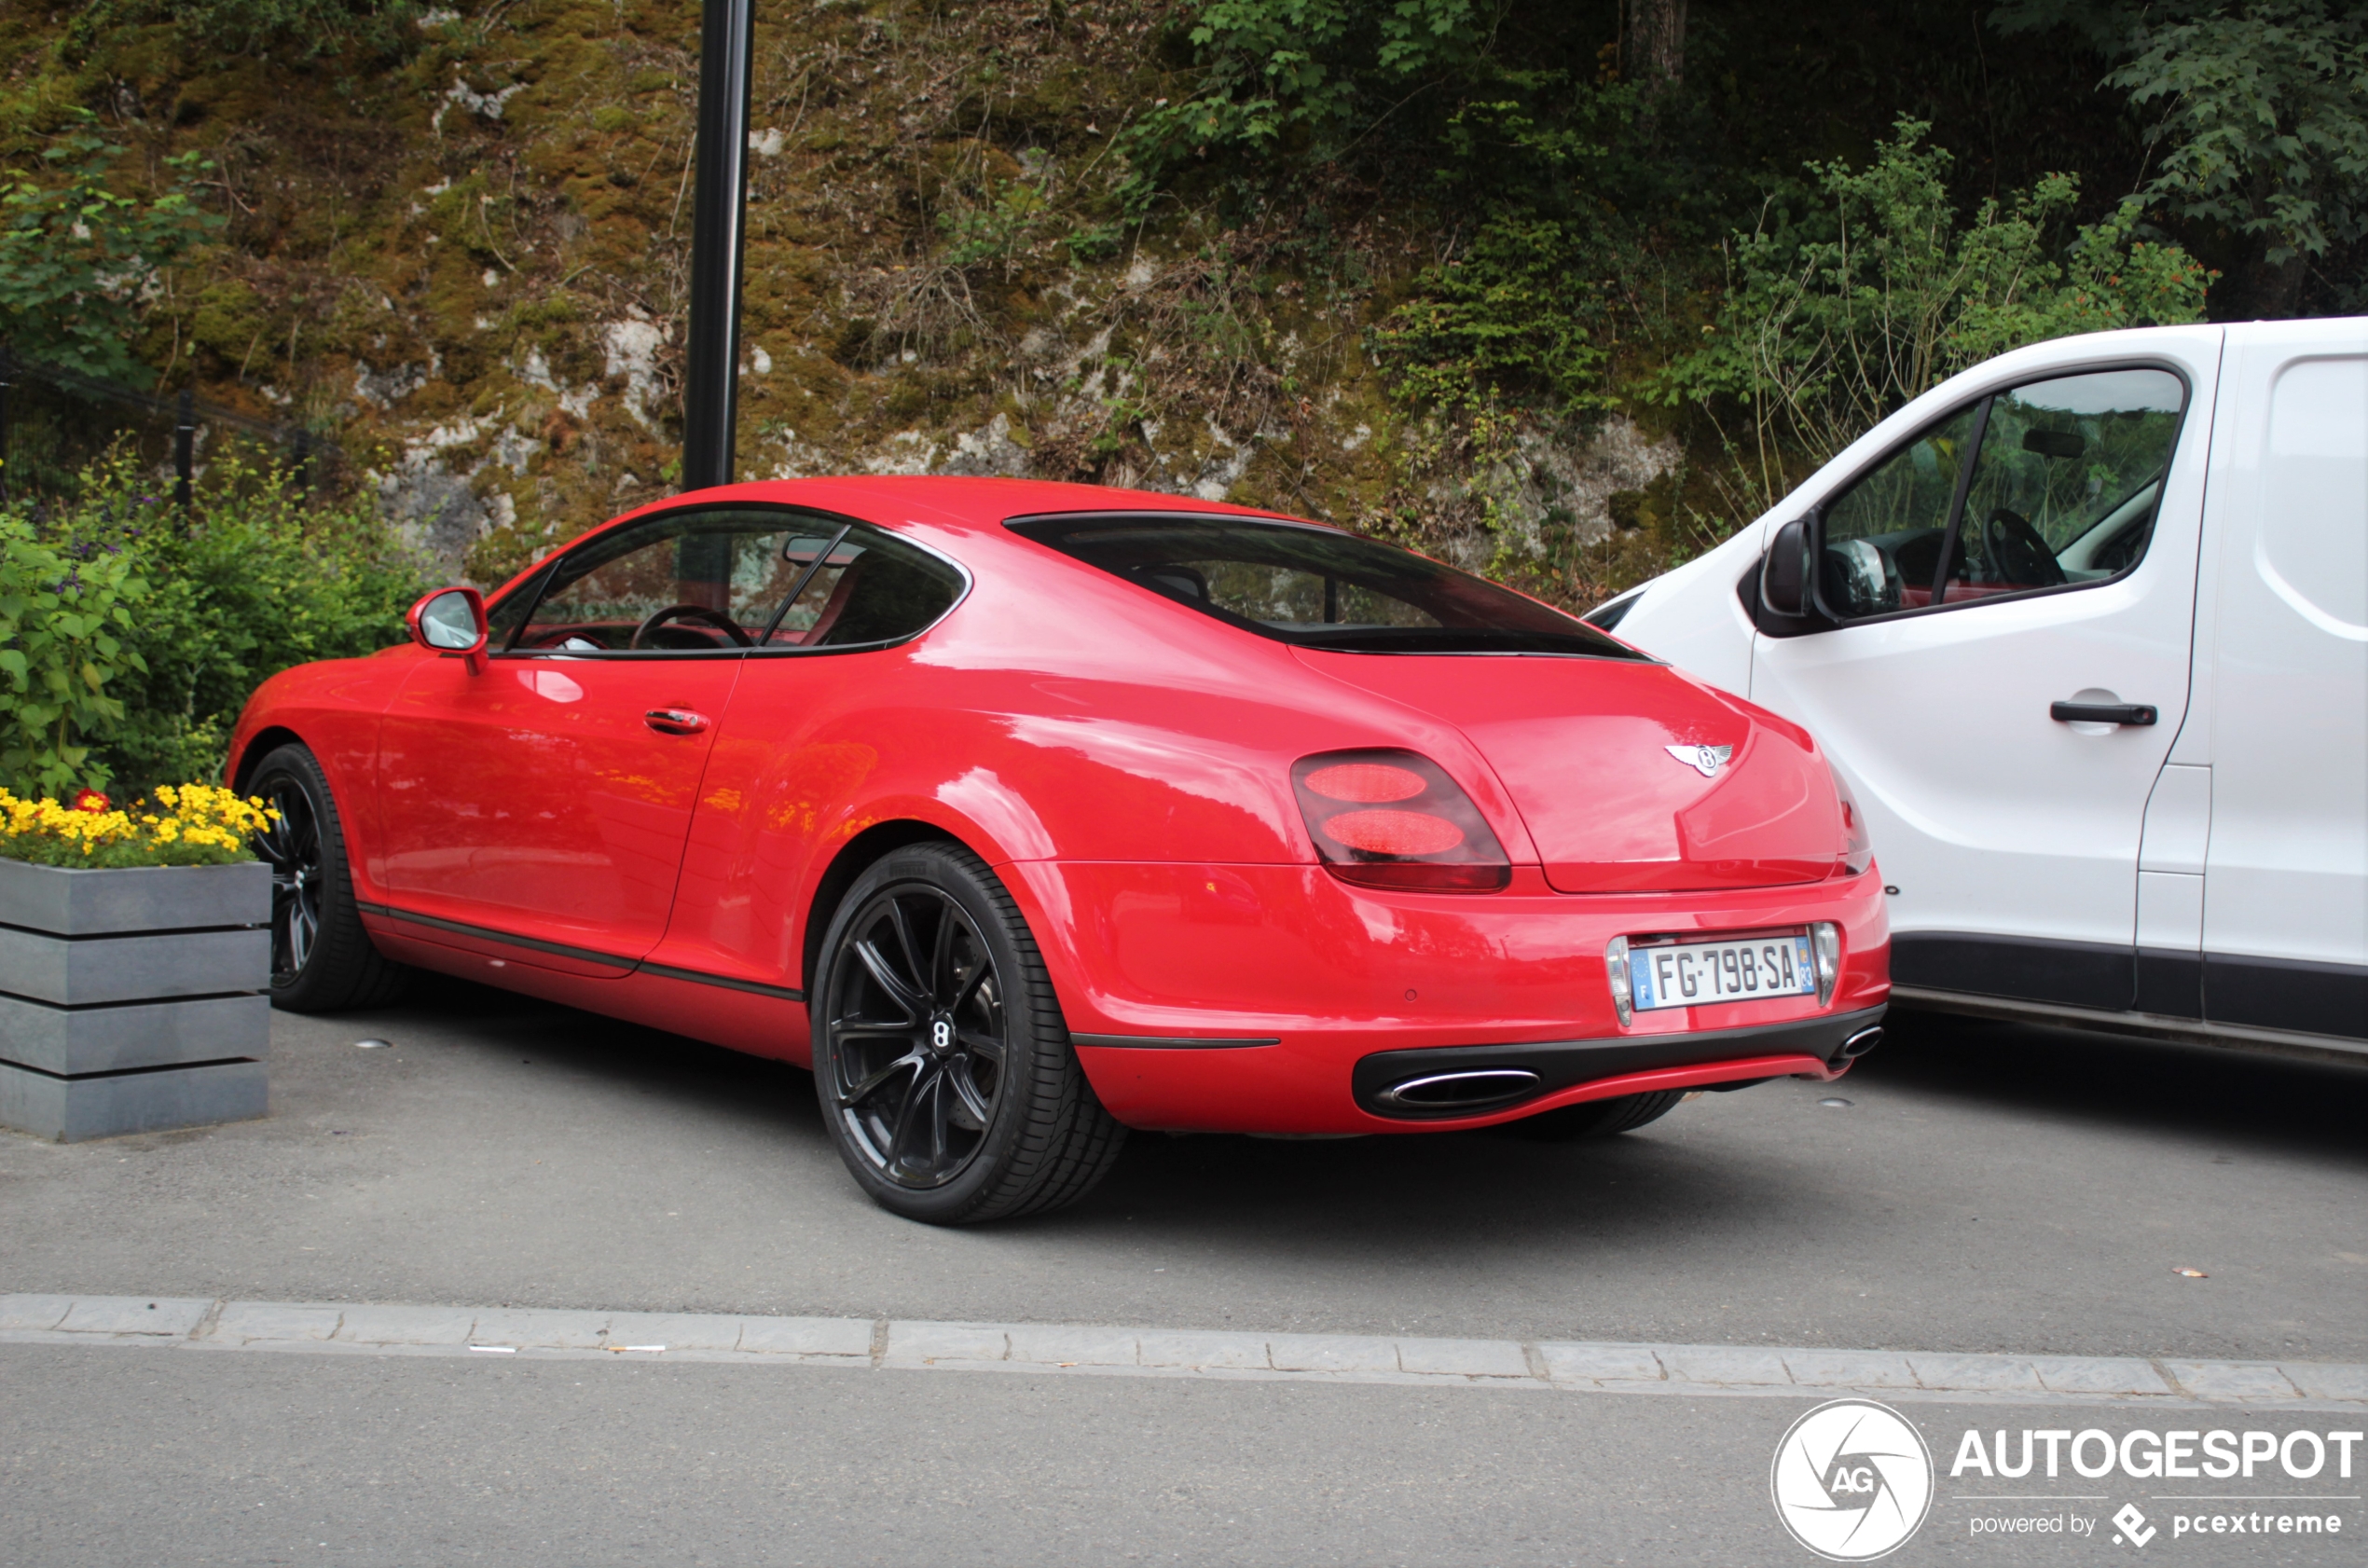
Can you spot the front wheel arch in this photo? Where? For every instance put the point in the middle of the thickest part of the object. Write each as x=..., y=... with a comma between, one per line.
x=259, y=745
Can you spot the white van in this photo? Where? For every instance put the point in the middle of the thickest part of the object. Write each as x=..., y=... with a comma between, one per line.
x=2086, y=628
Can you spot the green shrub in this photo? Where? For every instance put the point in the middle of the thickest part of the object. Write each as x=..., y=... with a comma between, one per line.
x=78, y=259
x=2262, y=127
x=260, y=576
x=1509, y=316
x=1305, y=71
x=65, y=622
x=1835, y=317
x=216, y=29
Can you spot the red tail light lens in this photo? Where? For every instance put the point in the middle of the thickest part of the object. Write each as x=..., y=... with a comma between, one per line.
x=1366, y=781
x=1858, y=846
x=1394, y=819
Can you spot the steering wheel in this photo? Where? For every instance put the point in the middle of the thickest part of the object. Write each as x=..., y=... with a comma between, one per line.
x=715, y=618
x=2018, y=555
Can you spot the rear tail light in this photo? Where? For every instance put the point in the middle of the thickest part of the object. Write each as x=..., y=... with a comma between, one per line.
x=1825, y=943
x=1394, y=819
x=1858, y=846
x=1616, y=970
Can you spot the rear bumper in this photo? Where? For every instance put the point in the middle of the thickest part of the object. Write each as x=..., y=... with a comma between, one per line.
x=1250, y=998
x=1809, y=1047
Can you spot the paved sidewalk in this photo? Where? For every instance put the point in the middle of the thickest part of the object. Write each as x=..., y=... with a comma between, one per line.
x=332, y=1329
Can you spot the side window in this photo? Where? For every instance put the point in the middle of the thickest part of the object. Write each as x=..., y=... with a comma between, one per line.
x=867, y=586
x=694, y=582
x=2052, y=483
x=1883, y=536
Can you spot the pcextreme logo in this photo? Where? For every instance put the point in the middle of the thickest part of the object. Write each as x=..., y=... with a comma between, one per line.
x=1853, y=1480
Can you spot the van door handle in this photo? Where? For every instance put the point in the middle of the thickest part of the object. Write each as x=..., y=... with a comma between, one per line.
x=675, y=720
x=2101, y=712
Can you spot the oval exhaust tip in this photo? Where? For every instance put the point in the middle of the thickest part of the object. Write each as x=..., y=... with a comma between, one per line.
x=1860, y=1043
x=1476, y=1088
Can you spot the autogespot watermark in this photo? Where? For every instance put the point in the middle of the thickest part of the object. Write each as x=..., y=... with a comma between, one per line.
x=1854, y=1480
x=2247, y=1458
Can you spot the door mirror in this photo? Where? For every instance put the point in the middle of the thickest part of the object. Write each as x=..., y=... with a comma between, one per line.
x=450, y=621
x=1783, y=574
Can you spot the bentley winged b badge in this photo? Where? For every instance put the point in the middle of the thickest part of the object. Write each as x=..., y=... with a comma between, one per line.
x=1705, y=760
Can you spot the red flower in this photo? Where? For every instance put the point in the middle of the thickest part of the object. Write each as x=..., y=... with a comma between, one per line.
x=91, y=799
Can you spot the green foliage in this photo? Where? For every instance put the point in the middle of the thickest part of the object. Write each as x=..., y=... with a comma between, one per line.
x=1836, y=317
x=996, y=230
x=2265, y=115
x=65, y=620
x=76, y=258
x=262, y=575
x=2262, y=114
x=1278, y=69
x=219, y=28
x=1509, y=317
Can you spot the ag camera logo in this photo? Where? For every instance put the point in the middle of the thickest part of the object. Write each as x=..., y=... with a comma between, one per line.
x=1853, y=1480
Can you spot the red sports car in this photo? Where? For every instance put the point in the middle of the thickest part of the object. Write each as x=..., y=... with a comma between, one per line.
x=1028, y=813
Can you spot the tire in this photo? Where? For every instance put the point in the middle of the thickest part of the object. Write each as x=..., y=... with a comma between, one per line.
x=941, y=1059
x=1597, y=1119
x=322, y=959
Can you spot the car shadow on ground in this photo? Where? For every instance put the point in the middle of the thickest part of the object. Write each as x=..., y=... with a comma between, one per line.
x=2305, y=1106
x=688, y=1075
x=1439, y=1189
x=1472, y=1194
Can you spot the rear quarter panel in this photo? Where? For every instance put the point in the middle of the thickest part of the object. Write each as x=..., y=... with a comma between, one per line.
x=1056, y=715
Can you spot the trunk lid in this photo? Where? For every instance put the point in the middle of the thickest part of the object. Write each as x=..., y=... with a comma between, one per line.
x=1583, y=746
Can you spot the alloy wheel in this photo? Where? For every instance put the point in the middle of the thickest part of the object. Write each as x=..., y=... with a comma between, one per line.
x=916, y=1036
x=291, y=847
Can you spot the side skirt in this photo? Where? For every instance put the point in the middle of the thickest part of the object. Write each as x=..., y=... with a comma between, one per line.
x=2143, y=1026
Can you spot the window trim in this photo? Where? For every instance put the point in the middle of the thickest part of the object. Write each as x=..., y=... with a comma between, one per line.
x=1980, y=402
x=539, y=581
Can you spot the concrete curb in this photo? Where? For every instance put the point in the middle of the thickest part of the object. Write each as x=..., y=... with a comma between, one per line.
x=865, y=1344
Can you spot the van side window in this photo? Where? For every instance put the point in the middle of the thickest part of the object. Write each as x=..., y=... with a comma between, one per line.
x=1883, y=536
x=2065, y=487
x=2052, y=482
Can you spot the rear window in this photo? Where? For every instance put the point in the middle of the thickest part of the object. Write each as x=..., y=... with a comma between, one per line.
x=1315, y=587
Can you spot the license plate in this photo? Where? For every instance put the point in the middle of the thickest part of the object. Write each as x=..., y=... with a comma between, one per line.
x=1693, y=973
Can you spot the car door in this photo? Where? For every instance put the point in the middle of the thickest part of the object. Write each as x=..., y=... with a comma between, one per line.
x=2284, y=895
x=828, y=699
x=2000, y=663
x=539, y=808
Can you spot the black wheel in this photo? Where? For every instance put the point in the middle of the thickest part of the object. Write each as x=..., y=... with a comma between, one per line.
x=944, y=1067
x=1597, y=1119
x=322, y=959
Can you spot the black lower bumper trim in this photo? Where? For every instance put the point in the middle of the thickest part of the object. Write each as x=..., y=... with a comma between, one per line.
x=1561, y=1064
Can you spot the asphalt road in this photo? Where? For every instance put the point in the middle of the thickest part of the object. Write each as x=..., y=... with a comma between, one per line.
x=122, y=1456
x=1988, y=1188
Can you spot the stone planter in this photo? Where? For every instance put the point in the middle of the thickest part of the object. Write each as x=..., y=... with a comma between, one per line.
x=132, y=1001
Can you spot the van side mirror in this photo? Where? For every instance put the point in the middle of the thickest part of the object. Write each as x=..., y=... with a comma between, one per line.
x=1784, y=572
x=451, y=622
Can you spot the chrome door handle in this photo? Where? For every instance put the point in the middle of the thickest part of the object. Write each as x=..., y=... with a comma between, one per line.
x=675, y=720
x=2101, y=712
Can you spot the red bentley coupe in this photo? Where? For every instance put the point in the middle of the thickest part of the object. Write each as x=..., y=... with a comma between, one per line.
x=1028, y=813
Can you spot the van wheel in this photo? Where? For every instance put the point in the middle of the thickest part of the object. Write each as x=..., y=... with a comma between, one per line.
x=322, y=959
x=940, y=1057
x=1597, y=1119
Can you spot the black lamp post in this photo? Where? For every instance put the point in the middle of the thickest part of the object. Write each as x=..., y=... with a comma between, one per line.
x=719, y=215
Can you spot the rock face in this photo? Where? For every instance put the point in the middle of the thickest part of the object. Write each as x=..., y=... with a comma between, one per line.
x=470, y=267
